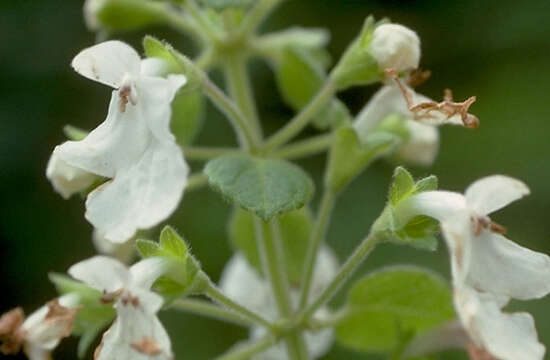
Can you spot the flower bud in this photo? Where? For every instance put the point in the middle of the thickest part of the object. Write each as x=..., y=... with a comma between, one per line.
x=395, y=47
x=422, y=146
x=67, y=179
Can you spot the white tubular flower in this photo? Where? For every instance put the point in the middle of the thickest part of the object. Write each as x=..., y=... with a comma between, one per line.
x=41, y=332
x=137, y=333
x=422, y=145
x=488, y=269
x=395, y=46
x=244, y=284
x=122, y=251
x=66, y=179
x=134, y=146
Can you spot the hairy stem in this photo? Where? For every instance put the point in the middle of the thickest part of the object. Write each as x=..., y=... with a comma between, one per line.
x=207, y=309
x=257, y=15
x=240, y=89
x=268, y=242
x=308, y=147
x=206, y=153
x=349, y=267
x=302, y=119
x=235, y=115
x=216, y=295
x=246, y=351
x=317, y=237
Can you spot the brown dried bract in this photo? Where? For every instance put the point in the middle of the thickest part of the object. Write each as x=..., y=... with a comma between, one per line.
x=447, y=107
x=147, y=346
x=418, y=77
x=486, y=223
x=476, y=353
x=11, y=334
x=60, y=314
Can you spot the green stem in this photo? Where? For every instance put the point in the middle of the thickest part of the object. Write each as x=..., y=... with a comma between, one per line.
x=240, y=89
x=195, y=182
x=257, y=15
x=269, y=245
x=358, y=256
x=207, y=309
x=185, y=23
x=202, y=21
x=234, y=114
x=302, y=119
x=206, y=153
x=300, y=149
x=216, y=295
x=245, y=352
x=317, y=236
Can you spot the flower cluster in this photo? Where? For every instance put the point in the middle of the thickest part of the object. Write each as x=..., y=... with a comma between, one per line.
x=279, y=283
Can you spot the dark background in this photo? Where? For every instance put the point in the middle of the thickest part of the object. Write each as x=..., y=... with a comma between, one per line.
x=497, y=50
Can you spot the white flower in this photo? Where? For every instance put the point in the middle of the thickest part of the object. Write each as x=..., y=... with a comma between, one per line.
x=66, y=179
x=395, y=46
x=134, y=146
x=423, y=143
x=244, y=284
x=122, y=251
x=488, y=269
x=41, y=332
x=137, y=333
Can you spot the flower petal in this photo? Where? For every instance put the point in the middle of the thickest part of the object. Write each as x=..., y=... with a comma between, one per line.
x=505, y=336
x=66, y=179
x=147, y=271
x=136, y=334
x=458, y=237
x=141, y=195
x=501, y=266
x=108, y=63
x=422, y=146
x=440, y=205
x=494, y=192
x=118, y=142
x=102, y=273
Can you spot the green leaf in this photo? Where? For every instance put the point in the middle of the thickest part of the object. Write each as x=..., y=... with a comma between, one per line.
x=349, y=157
x=295, y=230
x=267, y=187
x=429, y=183
x=93, y=317
x=386, y=304
x=155, y=48
x=403, y=185
x=224, y=4
x=172, y=243
x=188, y=110
x=300, y=75
x=126, y=15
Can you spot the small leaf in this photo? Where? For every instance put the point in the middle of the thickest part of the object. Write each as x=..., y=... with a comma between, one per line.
x=429, y=183
x=267, y=187
x=386, y=304
x=172, y=243
x=334, y=115
x=349, y=157
x=74, y=133
x=188, y=111
x=403, y=185
x=295, y=229
x=126, y=15
x=155, y=48
x=148, y=248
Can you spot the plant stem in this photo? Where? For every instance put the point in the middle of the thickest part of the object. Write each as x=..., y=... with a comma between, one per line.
x=202, y=21
x=303, y=118
x=240, y=89
x=300, y=149
x=358, y=256
x=207, y=309
x=184, y=23
x=228, y=107
x=215, y=294
x=268, y=243
x=317, y=237
x=196, y=181
x=244, y=352
x=206, y=153
x=257, y=15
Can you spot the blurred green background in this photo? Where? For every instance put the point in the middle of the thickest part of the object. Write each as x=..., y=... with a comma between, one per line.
x=497, y=50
